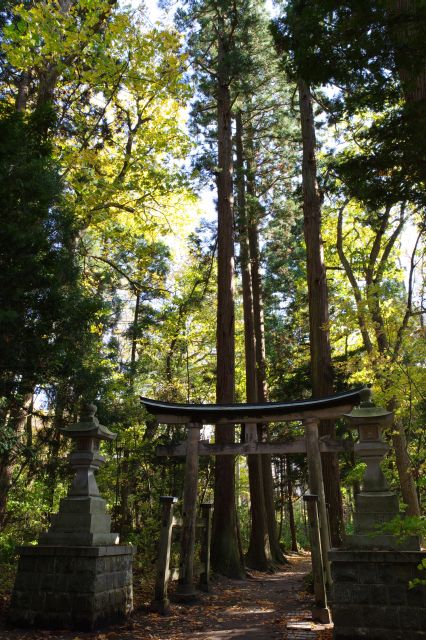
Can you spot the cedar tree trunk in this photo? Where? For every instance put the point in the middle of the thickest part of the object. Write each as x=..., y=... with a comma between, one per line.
x=320, y=352
x=262, y=387
x=259, y=552
x=225, y=553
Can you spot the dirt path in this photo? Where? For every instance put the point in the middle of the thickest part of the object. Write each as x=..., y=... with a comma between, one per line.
x=263, y=607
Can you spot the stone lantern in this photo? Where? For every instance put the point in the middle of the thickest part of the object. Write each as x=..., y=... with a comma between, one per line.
x=82, y=517
x=78, y=575
x=376, y=504
x=370, y=595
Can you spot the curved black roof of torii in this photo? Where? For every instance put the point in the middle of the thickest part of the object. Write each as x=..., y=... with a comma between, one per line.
x=211, y=413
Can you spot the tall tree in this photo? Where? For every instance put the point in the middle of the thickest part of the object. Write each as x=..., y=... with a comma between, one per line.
x=266, y=141
x=259, y=551
x=224, y=552
x=254, y=165
x=84, y=82
x=225, y=54
x=321, y=368
x=39, y=285
x=383, y=341
x=374, y=54
x=319, y=337
x=379, y=75
x=215, y=31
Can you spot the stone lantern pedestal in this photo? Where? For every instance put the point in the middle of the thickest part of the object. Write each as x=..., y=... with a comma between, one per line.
x=370, y=596
x=78, y=575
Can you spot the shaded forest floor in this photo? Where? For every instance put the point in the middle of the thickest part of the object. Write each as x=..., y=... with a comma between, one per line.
x=262, y=607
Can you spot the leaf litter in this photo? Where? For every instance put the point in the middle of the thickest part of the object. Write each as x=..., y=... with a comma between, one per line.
x=264, y=603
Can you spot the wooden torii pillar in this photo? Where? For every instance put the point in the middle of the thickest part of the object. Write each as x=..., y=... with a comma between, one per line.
x=186, y=587
x=309, y=412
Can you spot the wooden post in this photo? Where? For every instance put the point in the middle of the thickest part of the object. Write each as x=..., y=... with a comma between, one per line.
x=161, y=602
x=316, y=486
x=327, y=506
x=206, y=514
x=320, y=611
x=186, y=588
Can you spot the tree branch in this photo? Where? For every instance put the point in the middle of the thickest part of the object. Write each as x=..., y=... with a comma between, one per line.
x=409, y=310
x=136, y=286
x=353, y=282
x=389, y=245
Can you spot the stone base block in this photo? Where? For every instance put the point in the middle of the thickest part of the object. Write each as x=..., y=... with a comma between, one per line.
x=72, y=587
x=78, y=538
x=370, y=597
x=383, y=541
x=372, y=510
x=81, y=521
x=384, y=501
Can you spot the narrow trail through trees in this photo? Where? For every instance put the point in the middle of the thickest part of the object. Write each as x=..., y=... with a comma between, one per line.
x=262, y=607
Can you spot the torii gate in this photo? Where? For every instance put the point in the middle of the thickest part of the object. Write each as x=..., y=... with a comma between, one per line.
x=309, y=412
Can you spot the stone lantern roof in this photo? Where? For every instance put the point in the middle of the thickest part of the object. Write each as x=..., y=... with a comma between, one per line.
x=88, y=425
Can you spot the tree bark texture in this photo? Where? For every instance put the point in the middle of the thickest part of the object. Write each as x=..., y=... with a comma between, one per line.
x=320, y=352
x=259, y=329
x=253, y=235
x=125, y=523
x=259, y=552
x=246, y=273
x=225, y=553
x=290, y=507
x=133, y=355
x=403, y=464
x=406, y=28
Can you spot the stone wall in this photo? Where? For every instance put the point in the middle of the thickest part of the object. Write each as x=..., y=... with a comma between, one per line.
x=77, y=587
x=370, y=597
